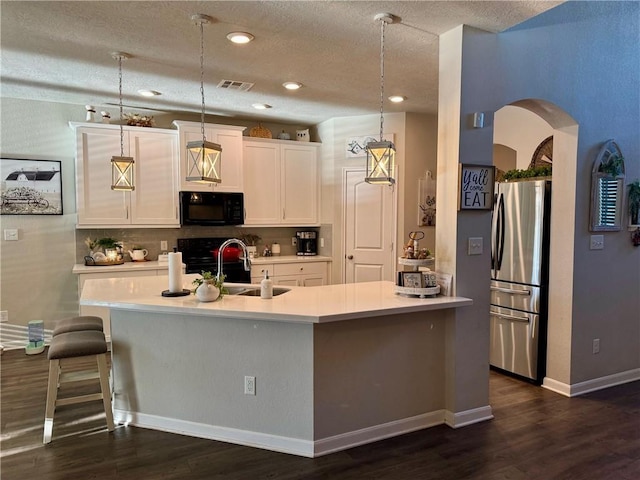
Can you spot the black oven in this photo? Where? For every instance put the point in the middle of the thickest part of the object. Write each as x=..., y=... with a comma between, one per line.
x=198, y=256
x=211, y=208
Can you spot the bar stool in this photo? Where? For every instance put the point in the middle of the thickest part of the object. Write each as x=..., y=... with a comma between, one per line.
x=74, y=324
x=69, y=345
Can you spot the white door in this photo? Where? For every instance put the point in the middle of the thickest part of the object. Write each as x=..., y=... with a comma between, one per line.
x=370, y=228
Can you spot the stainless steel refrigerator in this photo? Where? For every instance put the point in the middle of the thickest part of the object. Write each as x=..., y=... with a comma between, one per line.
x=519, y=277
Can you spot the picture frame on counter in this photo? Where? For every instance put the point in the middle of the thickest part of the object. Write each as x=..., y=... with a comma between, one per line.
x=475, y=187
x=412, y=279
x=31, y=187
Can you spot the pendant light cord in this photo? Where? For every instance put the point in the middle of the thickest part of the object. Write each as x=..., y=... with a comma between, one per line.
x=202, y=77
x=383, y=23
x=120, y=97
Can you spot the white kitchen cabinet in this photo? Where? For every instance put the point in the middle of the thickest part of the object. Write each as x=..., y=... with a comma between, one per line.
x=153, y=203
x=229, y=137
x=280, y=182
x=296, y=274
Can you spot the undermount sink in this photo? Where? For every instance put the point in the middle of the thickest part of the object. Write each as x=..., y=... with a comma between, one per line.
x=254, y=291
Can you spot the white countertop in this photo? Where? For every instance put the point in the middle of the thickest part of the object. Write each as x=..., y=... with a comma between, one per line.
x=124, y=267
x=300, y=305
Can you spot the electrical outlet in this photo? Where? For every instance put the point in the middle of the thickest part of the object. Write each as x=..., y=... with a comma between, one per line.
x=597, y=242
x=11, y=234
x=4, y=316
x=321, y=242
x=163, y=245
x=596, y=345
x=475, y=246
x=249, y=385
x=294, y=241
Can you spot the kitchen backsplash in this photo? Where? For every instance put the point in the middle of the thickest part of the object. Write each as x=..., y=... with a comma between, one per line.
x=150, y=238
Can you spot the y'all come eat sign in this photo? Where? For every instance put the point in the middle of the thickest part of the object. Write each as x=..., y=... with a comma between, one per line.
x=476, y=187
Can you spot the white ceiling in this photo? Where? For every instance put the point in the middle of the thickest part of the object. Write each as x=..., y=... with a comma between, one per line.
x=61, y=52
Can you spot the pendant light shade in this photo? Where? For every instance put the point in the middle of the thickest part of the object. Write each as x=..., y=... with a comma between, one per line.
x=381, y=155
x=381, y=163
x=204, y=158
x=122, y=168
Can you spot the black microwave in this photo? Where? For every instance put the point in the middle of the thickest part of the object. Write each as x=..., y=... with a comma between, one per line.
x=211, y=208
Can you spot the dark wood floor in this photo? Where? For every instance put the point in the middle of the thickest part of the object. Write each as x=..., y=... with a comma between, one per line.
x=536, y=434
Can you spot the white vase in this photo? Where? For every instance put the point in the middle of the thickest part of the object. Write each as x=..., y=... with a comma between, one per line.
x=207, y=292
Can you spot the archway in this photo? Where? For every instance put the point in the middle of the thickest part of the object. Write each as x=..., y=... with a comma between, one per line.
x=529, y=123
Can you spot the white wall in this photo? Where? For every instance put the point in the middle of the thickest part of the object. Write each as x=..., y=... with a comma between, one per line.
x=35, y=273
x=521, y=130
x=415, y=140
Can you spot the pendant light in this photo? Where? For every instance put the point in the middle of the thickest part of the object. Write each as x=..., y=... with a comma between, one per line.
x=381, y=156
x=121, y=167
x=203, y=158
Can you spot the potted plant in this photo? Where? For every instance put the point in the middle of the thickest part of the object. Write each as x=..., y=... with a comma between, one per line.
x=634, y=202
x=613, y=166
x=209, y=287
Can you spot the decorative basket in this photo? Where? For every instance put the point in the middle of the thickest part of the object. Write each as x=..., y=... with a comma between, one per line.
x=260, y=132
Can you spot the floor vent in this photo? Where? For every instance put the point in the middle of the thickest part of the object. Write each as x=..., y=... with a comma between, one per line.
x=236, y=85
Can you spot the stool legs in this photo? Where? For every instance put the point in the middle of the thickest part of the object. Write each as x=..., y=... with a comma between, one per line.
x=106, y=389
x=52, y=394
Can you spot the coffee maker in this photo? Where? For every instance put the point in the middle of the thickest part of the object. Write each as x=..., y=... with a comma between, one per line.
x=307, y=243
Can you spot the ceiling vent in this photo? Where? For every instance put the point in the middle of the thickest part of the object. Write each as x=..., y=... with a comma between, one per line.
x=236, y=85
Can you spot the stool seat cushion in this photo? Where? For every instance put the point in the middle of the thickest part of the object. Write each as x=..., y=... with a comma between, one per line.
x=73, y=324
x=77, y=344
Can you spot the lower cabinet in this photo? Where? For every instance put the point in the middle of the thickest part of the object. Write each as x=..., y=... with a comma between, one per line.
x=297, y=274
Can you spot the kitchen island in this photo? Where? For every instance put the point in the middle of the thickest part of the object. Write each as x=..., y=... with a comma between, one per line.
x=329, y=367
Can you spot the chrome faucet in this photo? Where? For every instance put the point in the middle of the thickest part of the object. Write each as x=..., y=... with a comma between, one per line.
x=225, y=244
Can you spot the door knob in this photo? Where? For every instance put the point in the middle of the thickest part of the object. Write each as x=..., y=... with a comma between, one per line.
x=350, y=257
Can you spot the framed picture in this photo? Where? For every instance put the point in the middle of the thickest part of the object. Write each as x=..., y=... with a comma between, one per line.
x=31, y=187
x=475, y=187
x=412, y=279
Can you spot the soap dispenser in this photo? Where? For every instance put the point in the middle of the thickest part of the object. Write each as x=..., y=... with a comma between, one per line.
x=266, y=286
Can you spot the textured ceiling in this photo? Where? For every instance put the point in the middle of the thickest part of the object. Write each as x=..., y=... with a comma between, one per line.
x=60, y=52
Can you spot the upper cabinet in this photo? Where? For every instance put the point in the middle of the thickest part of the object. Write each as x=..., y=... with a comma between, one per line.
x=230, y=139
x=153, y=203
x=280, y=182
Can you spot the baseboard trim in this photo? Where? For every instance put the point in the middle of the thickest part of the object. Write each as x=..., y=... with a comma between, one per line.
x=247, y=438
x=294, y=446
x=593, y=385
x=468, y=417
x=363, y=436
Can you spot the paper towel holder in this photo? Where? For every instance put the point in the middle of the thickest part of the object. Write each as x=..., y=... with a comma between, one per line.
x=177, y=293
x=167, y=293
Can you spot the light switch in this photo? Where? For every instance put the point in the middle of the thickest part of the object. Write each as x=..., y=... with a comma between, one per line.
x=11, y=234
x=597, y=242
x=475, y=245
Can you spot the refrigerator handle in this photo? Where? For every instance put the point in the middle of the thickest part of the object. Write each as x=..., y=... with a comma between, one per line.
x=509, y=317
x=511, y=291
x=500, y=239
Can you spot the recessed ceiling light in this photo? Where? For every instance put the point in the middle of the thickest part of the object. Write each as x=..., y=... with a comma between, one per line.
x=261, y=106
x=240, y=37
x=397, y=98
x=149, y=93
x=292, y=85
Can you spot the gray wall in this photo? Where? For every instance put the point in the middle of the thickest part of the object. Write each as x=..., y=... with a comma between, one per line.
x=583, y=57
